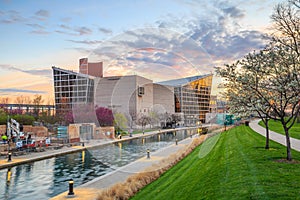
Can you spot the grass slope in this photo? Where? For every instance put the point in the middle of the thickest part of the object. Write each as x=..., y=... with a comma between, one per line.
x=277, y=127
x=238, y=167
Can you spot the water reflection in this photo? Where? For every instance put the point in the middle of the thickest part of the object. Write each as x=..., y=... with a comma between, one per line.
x=47, y=178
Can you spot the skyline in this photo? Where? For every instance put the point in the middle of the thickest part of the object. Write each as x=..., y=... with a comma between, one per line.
x=158, y=40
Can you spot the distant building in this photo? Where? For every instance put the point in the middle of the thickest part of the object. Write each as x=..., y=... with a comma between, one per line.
x=132, y=95
x=92, y=69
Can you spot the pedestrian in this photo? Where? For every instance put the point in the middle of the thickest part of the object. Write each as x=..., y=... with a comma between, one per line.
x=4, y=138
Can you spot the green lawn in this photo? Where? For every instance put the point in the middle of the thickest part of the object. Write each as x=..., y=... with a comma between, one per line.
x=145, y=131
x=277, y=127
x=237, y=167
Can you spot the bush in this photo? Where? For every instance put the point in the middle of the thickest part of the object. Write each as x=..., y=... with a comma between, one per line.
x=3, y=119
x=24, y=119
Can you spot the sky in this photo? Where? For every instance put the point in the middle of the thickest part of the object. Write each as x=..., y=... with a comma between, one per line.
x=159, y=40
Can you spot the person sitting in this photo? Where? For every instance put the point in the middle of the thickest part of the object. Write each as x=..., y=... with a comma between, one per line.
x=4, y=138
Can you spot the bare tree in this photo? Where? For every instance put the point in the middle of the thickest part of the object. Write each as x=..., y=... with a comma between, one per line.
x=165, y=118
x=27, y=100
x=4, y=100
x=144, y=120
x=175, y=119
x=132, y=117
x=20, y=100
x=37, y=101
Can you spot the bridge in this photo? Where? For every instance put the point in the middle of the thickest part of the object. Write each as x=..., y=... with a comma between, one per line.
x=30, y=107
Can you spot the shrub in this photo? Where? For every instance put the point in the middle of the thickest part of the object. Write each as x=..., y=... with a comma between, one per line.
x=24, y=119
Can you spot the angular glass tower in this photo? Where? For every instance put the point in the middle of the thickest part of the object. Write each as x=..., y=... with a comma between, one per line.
x=71, y=88
x=192, y=97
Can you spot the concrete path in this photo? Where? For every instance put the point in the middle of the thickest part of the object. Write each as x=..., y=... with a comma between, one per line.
x=295, y=143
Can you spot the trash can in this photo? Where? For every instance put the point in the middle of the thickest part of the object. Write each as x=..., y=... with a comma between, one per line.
x=247, y=123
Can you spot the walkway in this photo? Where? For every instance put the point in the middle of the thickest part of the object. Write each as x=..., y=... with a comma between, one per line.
x=295, y=143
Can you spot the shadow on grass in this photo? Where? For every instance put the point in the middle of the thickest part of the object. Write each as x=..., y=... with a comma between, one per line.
x=270, y=149
x=284, y=160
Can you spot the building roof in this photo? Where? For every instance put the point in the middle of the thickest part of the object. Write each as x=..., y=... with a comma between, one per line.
x=183, y=81
x=72, y=72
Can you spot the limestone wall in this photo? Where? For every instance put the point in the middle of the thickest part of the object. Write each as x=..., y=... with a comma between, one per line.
x=38, y=131
x=73, y=131
x=104, y=132
x=97, y=133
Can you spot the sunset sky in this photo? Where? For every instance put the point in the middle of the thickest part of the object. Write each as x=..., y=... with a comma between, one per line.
x=157, y=39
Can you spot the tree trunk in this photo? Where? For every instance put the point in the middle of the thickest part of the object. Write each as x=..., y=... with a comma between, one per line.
x=288, y=143
x=267, y=134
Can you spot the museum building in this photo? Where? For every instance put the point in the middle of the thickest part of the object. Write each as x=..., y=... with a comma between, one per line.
x=132, y=95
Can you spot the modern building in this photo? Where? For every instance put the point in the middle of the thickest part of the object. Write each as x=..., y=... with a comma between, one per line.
x=133, y=95
x=192, y=97
x=71, y=88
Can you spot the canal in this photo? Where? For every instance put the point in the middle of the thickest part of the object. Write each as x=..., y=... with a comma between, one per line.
x=47, y=178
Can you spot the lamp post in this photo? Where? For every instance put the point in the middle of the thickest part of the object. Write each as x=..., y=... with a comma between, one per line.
x=8, y=131
x=225, y=120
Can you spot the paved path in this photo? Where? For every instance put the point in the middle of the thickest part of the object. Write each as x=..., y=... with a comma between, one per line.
x=295, y=143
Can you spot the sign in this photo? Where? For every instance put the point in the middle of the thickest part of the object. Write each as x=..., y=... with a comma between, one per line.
x=19, y=144
x=47, y=141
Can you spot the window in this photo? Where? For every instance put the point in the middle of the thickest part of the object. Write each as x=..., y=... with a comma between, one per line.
x=141, y=91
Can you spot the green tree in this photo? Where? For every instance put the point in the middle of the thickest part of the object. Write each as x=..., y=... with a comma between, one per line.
x=24, y=119
x=120, y=121
x=154, y=118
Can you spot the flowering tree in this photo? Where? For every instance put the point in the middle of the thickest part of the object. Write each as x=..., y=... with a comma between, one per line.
x=105, y=116
x=68, y=117
x=264, y=82
x=242, y=100
x=269, y=81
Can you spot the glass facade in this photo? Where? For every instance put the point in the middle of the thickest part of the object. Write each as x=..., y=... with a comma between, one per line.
x=71, y=88
x=193, y=99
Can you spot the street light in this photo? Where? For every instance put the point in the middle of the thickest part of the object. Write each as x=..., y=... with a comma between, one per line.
x=8, y=131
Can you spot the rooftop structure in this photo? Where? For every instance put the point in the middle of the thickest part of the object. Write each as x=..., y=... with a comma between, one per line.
x=93, y=69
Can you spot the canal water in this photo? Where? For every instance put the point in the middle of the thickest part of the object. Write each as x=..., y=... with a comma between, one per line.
x=47, y=178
